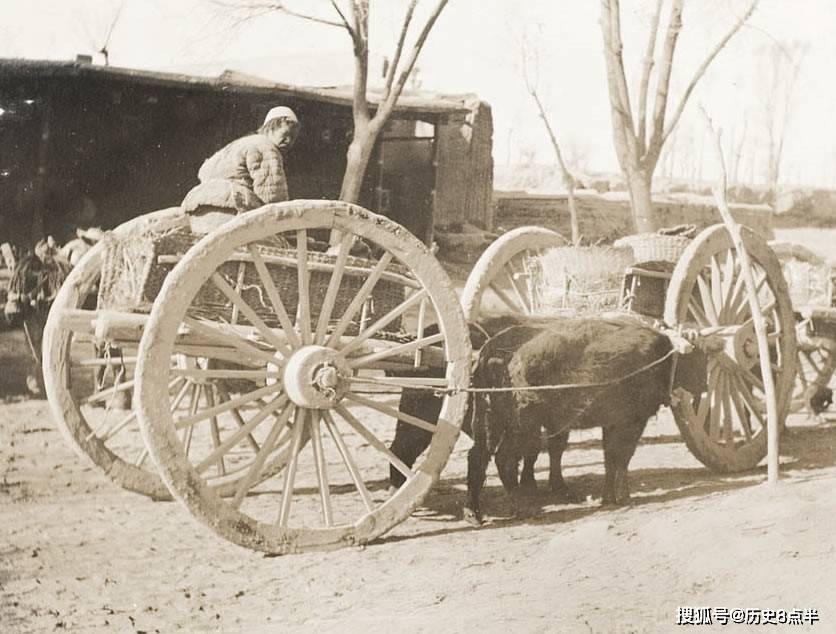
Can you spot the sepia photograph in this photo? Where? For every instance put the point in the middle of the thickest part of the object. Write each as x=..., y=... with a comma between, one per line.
x=420, y=316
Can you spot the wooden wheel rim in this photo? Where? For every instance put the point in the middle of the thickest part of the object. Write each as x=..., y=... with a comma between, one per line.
x=497, y=256
x=66, y=411
x=716, y=243
x=157, y=343
x=815, y=368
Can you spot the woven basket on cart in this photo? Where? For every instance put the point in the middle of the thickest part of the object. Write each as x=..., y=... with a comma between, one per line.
x=654, y=247
x=134, y=269
x=579, y=281
x=645, y=288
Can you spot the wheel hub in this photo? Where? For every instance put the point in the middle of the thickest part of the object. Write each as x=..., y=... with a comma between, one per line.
x=744, y=346
x=316, y=377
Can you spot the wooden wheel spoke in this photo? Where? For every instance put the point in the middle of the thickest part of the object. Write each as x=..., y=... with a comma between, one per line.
x=214, y=429
x=196, y=417
x=716, y=409
x=707, y=301
x=194, y=405
x=113, y=430
x=384, y=321
x=733, y=303
x=321, y=470
x=359, y=299
x=419, y=330
x=333, y=287
x=102, y=395
x=238, y=301
x=223, y=373
x=275, y=299
x=697, y=313
x=236, y=416
x=348, y=461
x=705, y=402
x=143, y=456
x=504, y=297
x=368, y=359
x=254, y=473
x=742, y=413
x=223, y=448
x=716, y=286
x=228, y=337
x=299, y=421
x=303, y=311
x=748, y=398
x=745, y=309
x=391, y=411
x=374, y=441
x=509, y=274
x=813, y=364
x=728, y=420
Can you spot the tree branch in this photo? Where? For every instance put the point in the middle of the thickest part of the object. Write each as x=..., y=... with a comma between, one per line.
x=346, y=25
x=660, y=106
x=647, y=67
x=703, y=67
x=619, y=96
x=360, y=16
x=396, y=57
x=263, y=6
x=387, y=106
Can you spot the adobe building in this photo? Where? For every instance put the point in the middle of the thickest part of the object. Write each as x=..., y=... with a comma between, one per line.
x=86, y=145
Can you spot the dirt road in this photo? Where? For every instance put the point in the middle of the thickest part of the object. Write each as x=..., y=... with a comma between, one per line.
x=79, y=555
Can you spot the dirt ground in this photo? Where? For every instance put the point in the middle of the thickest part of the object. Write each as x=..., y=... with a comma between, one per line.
x=78, y=554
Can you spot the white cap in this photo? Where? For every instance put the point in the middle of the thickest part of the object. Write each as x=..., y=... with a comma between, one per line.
x=281, y=112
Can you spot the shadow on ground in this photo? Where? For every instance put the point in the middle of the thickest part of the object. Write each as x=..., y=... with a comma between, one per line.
x=804, y=448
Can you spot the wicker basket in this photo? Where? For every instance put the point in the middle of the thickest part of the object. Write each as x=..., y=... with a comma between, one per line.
x=135, y=268
x=654, y=247
x=645, y=288
x=578, y=281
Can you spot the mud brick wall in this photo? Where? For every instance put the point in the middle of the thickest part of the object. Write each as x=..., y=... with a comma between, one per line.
x=464, y=179
x=604, y=218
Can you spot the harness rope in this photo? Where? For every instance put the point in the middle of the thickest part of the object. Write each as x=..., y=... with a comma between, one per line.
x=525, y=388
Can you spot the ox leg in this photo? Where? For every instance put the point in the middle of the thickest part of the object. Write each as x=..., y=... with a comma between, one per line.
x=557, y=445
x=410, y=441
x=619, y=446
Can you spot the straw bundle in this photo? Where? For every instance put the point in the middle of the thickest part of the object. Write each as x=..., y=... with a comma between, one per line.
x=578, y=281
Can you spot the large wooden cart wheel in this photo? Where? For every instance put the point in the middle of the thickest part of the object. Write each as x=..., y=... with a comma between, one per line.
x=808, y=277
x=88, y=381
x=83, y=384
x=313, y=334
x=504, y=277
x=718, y=400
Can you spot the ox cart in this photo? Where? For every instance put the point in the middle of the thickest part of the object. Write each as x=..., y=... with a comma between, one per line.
x=266, y=375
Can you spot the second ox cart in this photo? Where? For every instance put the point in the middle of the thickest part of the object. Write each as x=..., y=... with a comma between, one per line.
x=266, y=374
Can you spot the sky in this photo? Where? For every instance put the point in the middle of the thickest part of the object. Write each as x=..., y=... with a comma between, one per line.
x=476, y=47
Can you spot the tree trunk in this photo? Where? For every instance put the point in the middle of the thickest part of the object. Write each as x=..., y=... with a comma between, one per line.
x=641, y=203
x=357, y=160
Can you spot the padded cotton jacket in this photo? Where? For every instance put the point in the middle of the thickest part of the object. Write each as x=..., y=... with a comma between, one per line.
x=244, y=175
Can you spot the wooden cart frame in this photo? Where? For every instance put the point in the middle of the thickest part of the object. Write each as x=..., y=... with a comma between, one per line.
x=237, y=413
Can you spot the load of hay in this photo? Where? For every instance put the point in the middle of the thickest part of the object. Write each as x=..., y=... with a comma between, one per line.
x=580, y=280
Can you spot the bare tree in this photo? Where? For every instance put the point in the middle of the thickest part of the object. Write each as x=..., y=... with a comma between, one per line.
x=530, y=71
x=369, y=118
x=783, y=62
x=640, y=135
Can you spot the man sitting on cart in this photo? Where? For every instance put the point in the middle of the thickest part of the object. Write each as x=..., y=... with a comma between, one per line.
x=245, y=174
